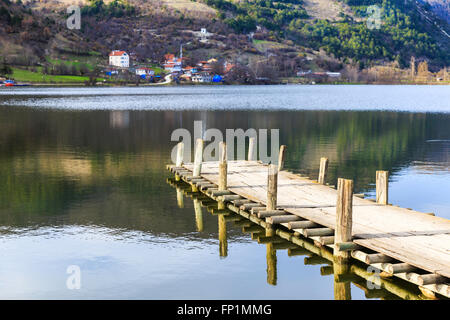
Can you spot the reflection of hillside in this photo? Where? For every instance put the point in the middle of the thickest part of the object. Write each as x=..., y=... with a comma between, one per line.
x=54, y=162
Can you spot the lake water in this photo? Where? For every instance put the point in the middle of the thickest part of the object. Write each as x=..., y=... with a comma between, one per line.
x=83, y=182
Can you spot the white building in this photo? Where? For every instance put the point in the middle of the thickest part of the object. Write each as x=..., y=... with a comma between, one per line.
x=119, y=59
x=202, y=77
x=145, y=71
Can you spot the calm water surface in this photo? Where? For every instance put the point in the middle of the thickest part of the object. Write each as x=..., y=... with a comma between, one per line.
x=83, y=182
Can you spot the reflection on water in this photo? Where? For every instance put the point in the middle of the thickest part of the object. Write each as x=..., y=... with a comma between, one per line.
x=88, y=188
x=344, y=275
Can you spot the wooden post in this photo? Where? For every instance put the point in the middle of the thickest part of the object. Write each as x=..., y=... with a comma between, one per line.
x=180, y=154
x=323, y=170
x=272, y=185
x=382, y=187
x=223, y=167
x=343, y=232
x=223, y=244
x=198, y=158
x=281, y=157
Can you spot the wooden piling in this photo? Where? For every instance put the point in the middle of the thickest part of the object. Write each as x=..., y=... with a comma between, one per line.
x=180, y=154
x=223, y=167
x=272, y=185
x=343, y=232
x=251, y=149
x=281, y=157
x=323, y=170
x=198, y=158
x=382, y=187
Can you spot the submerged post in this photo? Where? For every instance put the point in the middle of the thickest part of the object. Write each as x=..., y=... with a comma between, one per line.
x=343, y=232
x=180, y=198
x=198, y=215
x=271, y=256
x=251, y=149
x=223, y=244
x=382, y=187
x=323, y=170
x=198, y=158
x=281, y=157
x=272, y=185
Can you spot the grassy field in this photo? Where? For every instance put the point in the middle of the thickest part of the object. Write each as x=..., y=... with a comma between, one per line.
x=29, y=76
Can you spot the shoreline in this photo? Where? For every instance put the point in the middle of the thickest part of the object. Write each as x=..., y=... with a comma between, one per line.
x=82, y=85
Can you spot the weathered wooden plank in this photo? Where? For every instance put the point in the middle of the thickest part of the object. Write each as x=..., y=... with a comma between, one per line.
x=421, y=242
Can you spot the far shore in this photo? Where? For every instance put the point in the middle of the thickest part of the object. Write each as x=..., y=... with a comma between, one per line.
x=111, y=85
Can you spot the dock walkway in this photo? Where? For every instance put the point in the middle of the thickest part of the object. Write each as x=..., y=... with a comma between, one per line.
x=411, y=245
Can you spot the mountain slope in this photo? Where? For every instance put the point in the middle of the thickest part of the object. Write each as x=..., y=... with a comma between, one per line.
x=275, y=38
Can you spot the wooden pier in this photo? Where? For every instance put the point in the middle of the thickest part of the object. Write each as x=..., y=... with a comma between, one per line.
x=398, y=242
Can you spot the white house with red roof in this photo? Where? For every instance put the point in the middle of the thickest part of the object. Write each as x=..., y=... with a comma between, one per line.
x=172, y=63
x=119, y=58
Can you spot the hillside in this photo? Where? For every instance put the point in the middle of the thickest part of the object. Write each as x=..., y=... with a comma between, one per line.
x=274, y=38
x=440, y=7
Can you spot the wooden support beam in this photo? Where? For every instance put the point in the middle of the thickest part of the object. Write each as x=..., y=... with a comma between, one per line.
x=272, y=186
x=247, y=206
x=425, y=279
x=398, y=267
x=251, y=149
x=344, y=207
x=323, y=170
x=346, y=246
x=377, y=258
x=217, y=193
x=318, y=232
x=281, y=157
x=325, y=240
x=241, y=202
x=180, y=154
x=382, y=187
x=269, y=213
x=302, y=224
x=255, y=210
x=206, y=186
x=282, y=219
x=198, y=159
x=229, y=197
